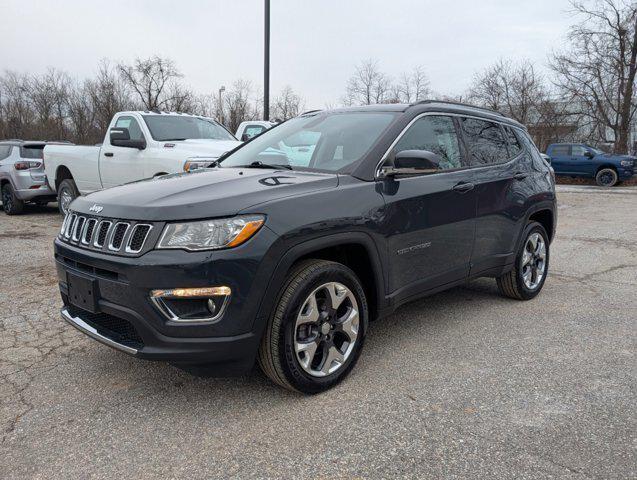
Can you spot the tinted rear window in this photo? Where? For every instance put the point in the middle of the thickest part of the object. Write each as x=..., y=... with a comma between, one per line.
x=485, y=141
x=35, y=151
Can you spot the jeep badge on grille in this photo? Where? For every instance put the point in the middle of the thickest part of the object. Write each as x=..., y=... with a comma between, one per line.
x=96, y=208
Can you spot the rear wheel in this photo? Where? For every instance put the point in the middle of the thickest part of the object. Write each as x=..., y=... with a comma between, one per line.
x=606, y=177
x=11, y=204
x=316, y=332
x=67, y=192
x=527, y=277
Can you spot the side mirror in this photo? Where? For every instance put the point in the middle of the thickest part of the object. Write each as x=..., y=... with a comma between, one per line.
x=413, y=162
x=120, y=137
x=589, y=154
x=245, y=137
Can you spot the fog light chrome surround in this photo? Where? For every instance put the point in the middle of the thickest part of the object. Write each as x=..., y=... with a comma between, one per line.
x=158, y=298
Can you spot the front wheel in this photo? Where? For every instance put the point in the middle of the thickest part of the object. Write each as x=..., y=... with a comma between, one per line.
x=11, y=204
x=527, y=277
x=67, y=192
x=606, y=177
x=316, y=332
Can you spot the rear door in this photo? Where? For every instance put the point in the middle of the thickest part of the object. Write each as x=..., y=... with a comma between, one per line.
x=430, y=219
x=561, y=159
x=501, y=176
x=119, y=165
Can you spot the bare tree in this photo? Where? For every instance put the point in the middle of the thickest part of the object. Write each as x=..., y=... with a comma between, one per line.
x=108, y=94
x=368, y=85
x=412, y=87
x=237, y=104
x=598, y=72
x=151, y=80
x=287, y=104
x=49, y=97
x=17, y=112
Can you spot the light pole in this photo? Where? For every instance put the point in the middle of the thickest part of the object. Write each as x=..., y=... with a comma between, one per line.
x=266, y=63
x=221, y=90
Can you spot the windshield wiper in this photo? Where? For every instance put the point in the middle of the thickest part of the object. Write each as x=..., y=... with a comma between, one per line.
x=173, y=139
x=259, y=164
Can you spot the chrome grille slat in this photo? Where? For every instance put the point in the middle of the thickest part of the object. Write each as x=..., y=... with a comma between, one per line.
x=107, y=235
x=78, y=229
x=104, y=227
x=139, y=243
x=89, y=230
x=117, y=236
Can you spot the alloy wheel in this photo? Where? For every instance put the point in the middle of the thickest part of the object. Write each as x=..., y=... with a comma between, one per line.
x=326, y=329
x=7, y=200
x=65, y=200
x=534, y=261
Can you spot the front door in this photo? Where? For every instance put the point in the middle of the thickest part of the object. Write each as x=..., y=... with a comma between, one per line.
x=430, y=219
x=119, y=165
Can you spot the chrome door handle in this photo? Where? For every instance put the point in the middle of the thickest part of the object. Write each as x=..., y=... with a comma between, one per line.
x=108, y=154
x=463, y=187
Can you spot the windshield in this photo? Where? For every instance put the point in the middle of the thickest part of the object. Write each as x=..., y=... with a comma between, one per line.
x=32, y=151
x=173, y=127
x=327, y=142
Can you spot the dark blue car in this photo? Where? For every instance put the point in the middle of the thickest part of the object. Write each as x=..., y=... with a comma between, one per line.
x=580, y=160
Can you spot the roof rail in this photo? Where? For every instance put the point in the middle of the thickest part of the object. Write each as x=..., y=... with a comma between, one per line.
x=460, y=104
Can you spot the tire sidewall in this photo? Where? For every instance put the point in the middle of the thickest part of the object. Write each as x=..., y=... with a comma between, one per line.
x=15, y=206
x=613, y=172
x=527, y=293
x=72, y=189
x=292, y=369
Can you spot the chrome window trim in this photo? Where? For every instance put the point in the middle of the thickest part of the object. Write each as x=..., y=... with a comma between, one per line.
x=377, y=172
x=132, y=233
x=112, y=234
x=108, y=231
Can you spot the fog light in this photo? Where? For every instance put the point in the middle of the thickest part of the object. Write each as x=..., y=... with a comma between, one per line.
x=201, y=304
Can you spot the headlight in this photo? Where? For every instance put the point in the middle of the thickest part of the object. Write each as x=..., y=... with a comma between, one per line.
x=211, y=234
x=626, y=163
x=196, y=163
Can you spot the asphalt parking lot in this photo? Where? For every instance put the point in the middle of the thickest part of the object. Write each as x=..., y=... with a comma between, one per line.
x=464, y=384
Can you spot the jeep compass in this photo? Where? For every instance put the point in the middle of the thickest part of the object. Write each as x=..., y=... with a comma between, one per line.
x=282, y=252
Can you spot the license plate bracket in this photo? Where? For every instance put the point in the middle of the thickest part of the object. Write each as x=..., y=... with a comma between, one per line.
x=82, y=292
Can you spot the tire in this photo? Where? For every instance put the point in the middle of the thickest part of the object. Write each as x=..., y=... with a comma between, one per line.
x=308, y=371
x=66, y=187
x=607, y=177
x=11, y=204
x=513, y=284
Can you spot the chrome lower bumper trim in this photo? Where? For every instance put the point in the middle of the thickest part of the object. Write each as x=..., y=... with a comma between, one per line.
x=84, y=327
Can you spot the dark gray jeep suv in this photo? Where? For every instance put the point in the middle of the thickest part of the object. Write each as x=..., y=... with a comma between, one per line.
x=283, y=251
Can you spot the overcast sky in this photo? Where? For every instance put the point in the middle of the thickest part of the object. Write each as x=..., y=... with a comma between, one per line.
x=314, y=46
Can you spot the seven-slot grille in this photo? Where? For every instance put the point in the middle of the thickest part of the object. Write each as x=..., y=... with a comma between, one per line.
x=108, y=235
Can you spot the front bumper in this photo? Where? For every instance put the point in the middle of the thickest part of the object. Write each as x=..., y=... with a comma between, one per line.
x=624, y=173
x=126, y=319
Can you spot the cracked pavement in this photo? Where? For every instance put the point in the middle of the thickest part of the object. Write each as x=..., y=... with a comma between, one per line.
x=463, y=384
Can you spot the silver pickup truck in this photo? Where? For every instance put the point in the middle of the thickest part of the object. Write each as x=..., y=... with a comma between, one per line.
x=22, y=177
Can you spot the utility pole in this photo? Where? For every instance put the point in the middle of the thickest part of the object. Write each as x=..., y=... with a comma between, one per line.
x=221, y=90
x=266, y=64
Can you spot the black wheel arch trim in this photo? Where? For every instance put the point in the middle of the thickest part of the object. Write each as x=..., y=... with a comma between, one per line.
x=305, y=248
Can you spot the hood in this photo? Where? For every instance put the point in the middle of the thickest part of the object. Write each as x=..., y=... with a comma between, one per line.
x=202, y=147
x=202, y=194
x=618, y=156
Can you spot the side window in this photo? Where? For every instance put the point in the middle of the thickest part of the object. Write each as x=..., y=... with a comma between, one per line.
x=253, y=130
x=436, y=134
x=560, y=151
x=133, y=127
x=5, y=151
x=485, y=141
x=579, y=151
x=514, y=143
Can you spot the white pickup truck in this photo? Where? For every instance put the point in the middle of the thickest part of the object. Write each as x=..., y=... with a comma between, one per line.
x=137, y=145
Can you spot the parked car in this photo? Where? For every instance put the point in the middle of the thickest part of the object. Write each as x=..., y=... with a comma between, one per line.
x=138, y=145
x=22, y=177
x=252, y=128
x=580, y=160
x=258, y=259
